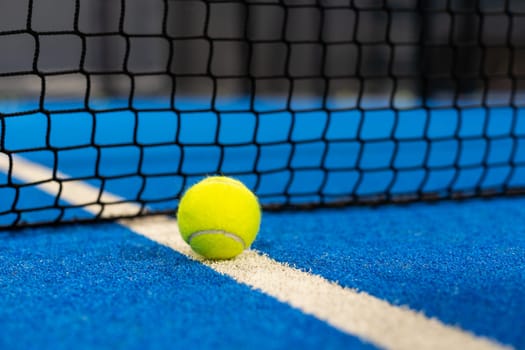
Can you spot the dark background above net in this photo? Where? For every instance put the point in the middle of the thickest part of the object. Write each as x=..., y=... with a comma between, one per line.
x=310, y=103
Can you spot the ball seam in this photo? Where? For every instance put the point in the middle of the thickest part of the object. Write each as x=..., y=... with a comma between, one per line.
x=217, y=232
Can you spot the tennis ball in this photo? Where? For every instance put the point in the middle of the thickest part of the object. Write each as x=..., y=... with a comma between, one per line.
x=219, y=217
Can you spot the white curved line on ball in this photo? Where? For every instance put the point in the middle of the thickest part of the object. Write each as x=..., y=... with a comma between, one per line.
x=217, y=232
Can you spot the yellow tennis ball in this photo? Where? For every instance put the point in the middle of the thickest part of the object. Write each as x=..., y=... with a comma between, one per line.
x=219, y=217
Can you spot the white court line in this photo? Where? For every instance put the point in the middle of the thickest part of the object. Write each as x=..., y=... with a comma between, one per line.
x=356, y=313
x=74, y=192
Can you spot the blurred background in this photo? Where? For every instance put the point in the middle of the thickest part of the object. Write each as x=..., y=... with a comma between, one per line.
x=342, y=53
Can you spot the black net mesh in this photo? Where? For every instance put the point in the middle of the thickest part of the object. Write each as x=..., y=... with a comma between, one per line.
x=310, y=103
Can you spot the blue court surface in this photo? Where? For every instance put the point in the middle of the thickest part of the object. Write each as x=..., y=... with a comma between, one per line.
x=103, y=286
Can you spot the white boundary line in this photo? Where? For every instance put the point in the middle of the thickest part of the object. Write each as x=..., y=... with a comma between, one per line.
x=72, y=191
x=356, y=313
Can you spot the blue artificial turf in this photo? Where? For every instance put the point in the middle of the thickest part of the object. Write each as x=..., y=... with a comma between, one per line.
x=462, y=262
x=101, y=286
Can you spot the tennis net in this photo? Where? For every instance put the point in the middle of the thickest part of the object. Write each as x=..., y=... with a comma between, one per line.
x=310, y=103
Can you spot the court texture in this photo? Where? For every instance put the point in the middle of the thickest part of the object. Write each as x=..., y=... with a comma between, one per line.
x=392, y=196
x=448, y=274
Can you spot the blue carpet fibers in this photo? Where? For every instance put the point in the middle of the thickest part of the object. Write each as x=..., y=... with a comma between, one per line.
x=101, y=286
x=463, y=262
